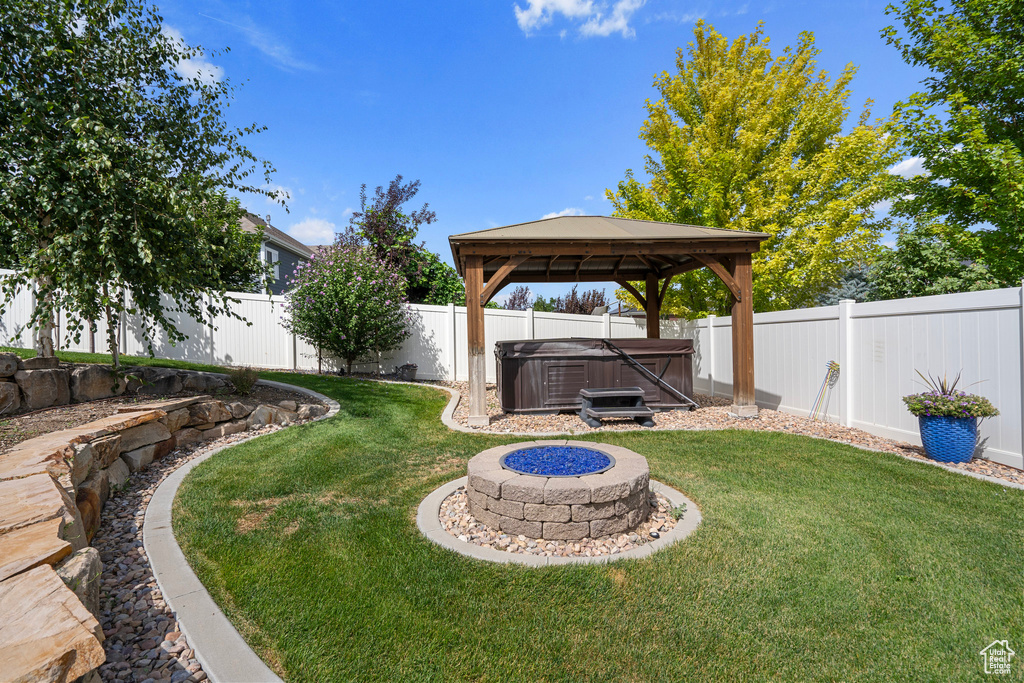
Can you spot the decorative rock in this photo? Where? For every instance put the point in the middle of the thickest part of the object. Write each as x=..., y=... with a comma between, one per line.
x=106, y=450
x=208, y=411
x=202, y=381
x=90, y=497
x=8, y=364
x=90, y=382
x=309, y=411
x=224, y=429
x=82, y=462
x=288, y=405
x=143, y=435
x=47, y=634
x=39, y=363
x=158, y=381
x=239, y=410
x=176, y=419
x=32, y=546
x=81, y=573
x=187, y=436
x=117, y=474
x=44, y=388
x=138, y=459
x=10, y=397
x=264, y=415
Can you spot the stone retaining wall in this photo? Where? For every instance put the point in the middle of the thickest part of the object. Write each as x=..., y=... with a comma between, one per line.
x=52, y=491
x=559, y=508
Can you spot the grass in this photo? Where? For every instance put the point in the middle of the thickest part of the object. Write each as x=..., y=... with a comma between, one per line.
x=815, y=561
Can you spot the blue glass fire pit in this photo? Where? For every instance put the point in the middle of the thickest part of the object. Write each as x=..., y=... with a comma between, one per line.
x=557, y=461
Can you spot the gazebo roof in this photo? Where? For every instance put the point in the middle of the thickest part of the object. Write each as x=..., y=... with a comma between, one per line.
x=597, y=248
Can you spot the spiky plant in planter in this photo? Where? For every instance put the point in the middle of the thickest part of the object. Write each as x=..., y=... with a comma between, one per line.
x=948, y=418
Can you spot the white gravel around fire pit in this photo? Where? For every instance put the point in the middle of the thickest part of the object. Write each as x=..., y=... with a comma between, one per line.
x=714, y=414
x=455, y=518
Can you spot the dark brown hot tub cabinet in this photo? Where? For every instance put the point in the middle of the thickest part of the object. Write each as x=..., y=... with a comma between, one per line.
x=546, y=375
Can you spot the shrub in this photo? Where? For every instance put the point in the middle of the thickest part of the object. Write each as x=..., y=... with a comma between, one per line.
x=244, y=379
x=348, y=301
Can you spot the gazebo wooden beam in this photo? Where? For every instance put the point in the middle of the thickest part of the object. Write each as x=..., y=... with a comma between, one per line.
x=497, y=280
x=724, y=275
x=634, y=292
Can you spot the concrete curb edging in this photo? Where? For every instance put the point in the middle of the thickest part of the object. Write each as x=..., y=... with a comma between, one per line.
x=430, y=526
x=448, y=418
x=222, y=651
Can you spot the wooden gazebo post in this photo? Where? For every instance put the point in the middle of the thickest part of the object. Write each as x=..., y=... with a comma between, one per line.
x=743, y=396
x=475, y=335
x=652, y=306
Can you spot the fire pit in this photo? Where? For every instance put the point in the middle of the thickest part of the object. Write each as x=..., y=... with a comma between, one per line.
x=559, y=490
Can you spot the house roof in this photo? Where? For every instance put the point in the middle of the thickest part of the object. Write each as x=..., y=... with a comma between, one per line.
x=249, y=224
x=597, y=248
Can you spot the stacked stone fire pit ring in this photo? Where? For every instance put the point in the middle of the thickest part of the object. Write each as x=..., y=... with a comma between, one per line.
x=559, y=490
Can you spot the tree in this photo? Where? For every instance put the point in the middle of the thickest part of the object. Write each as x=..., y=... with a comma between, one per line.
x=854, y=284
x=348, y=301
x=744, y=140
x=114, y=169
x=967, y=125
x=519, y=299
x=391, y=231
x=928, y=259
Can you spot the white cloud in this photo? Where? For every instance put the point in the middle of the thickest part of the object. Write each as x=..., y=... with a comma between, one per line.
x=206, y=71
x=602, y=24
x=313, y=231
x=571, y=211
x=908, y=168
x=599, y=18
x=266, y=43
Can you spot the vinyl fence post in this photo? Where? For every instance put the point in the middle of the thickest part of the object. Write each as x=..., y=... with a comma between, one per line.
x=451, y=341
x=530, y=324
x=846, y=361
x=212, y=330
x=711, y=352
x=1021, y=379
x=606, y=320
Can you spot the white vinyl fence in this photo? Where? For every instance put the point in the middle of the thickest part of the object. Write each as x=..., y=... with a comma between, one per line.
x=878, y=346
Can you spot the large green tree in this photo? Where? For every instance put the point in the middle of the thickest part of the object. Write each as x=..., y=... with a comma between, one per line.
x=743, y=139
x=967, y=124
x=115, y=169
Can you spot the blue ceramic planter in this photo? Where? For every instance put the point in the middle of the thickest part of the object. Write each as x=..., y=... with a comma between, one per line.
x=949, y=439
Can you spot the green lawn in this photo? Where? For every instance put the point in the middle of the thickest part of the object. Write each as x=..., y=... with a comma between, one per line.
x=815, y=561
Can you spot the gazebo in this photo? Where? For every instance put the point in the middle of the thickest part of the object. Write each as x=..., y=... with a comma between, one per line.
x=607, y=249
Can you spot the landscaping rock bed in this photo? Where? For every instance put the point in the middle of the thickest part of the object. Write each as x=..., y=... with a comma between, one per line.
x=714, y=414
x=56, y=490
x=143, y=642
x=457, y=520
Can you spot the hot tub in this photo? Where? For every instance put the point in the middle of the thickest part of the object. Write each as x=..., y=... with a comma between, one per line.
x=545, y=376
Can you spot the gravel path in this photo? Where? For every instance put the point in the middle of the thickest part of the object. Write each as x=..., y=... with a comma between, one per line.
x=714, y=414
x=143, y=641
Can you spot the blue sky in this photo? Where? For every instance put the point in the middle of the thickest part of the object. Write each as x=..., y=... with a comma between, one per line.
x=506, y=111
